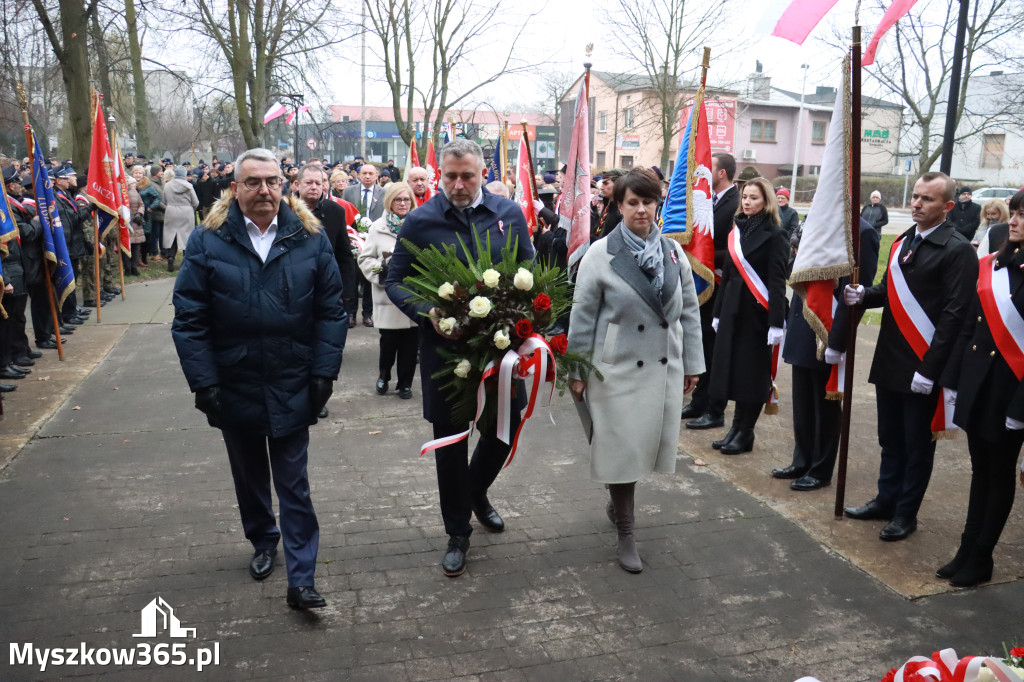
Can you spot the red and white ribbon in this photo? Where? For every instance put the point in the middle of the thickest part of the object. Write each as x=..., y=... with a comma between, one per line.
x=356, y=239
x=750, y=276
x=836, y=383
x=949, y=668
x=1004, y=321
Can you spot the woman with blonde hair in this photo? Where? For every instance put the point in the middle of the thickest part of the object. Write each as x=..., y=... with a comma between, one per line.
x=750, y=310
x=994, y=214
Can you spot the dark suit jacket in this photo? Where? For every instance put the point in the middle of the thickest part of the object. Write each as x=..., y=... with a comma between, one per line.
x=987, y=389
x=332, y=218
x=997, y=236
x=354, y=195
x=942, y=276
x=725, y=214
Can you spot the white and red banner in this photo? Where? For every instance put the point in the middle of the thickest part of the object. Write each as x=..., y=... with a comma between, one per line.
x=293, y=115
x=276, y=109
x=896, y=11
x=574, y=205
x=433, y=171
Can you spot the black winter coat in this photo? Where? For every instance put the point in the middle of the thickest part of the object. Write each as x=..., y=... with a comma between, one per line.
x=966, y=218
x=332, y=218
x=942, y=276
x=741, y=368
x=31, y=243
x=725, y=215
x=73, y=217
x=876, y=214
x=259, y=331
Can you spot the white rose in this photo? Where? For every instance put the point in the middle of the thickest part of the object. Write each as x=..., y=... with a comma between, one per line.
x=446, y=324
x=479, y=307
x=445, y=291
x=491, y=278
x=501, y=340
x=523, y=279
x=462, y=369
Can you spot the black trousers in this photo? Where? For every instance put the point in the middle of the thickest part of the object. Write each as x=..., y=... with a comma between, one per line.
x=42, y=319
x=908, y=451
x=364, y=290
x=461, y=483
x=401, y=345
x=701, y=398
x=70, y=307
x=745, y=416
x=254, y=459
x=14, y=343
x=816, y=423
x=993, y=486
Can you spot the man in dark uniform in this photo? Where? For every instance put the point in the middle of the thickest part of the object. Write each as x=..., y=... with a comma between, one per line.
x=73, y=218
x=703, y=412
x=940, y=269
x=966, y=215
x=465, y=210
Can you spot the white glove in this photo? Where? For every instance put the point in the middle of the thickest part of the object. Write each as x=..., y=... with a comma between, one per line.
x=538, y=205
x=714, y=324
x=920, y=384
x=775, y=335
x=1014, y=425
x=853, y=296
x=833, y=357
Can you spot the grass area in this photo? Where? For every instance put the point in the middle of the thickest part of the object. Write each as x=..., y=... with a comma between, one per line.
x=156, y=270
x=875, y=316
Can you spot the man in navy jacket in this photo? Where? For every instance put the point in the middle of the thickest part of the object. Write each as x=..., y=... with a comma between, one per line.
x=260, y=329
x=464, y=209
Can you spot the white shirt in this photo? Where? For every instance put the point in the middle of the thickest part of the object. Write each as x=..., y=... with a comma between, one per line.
x=924, y=233
x=261, y=241
x=367, y=196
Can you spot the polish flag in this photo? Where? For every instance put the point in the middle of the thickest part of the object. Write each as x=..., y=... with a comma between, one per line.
x=433, y=172
x=800, y=17
x=291, y=116
x=897, y=10
x=524, y=186
x=273, y=112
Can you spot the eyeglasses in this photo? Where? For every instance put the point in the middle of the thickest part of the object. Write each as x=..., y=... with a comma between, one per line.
x=254, y=184
x=401, y=200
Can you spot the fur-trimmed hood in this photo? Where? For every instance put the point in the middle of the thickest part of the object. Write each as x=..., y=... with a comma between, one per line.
x=218, y=214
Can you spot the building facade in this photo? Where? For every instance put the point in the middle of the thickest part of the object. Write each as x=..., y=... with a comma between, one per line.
x=991, y=150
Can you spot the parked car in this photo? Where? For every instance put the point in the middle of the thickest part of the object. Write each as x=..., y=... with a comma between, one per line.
x=986, y=193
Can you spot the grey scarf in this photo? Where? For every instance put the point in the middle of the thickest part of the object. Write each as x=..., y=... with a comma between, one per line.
x=647, y=252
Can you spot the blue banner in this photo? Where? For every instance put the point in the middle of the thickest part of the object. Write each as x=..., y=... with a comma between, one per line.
x=54, y=247
x=494, y=172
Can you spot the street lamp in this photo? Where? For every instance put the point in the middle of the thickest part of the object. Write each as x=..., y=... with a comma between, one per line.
x=297, y=100
x=799, y=124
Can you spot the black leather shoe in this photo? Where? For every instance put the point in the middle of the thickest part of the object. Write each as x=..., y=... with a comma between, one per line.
x=730, y=434
x=25, y=362
x=74, y=321
x=23, y=370
x=323, y=414
x=351, y=322
x=82, y=312
x=34, y=354
x=898, y=529
x=706, y=421
x=405, y=393
x=382, y=386
x=977, y=570
x=367, y=321
x=89, y=304
x=262, y=564
x=487, y=517
x=7, y=388
x=454, y=562
x=8, y=373
x=113, y=291
x=691, y=411
x=48, y=344
x=66, y=330
x=305, y=598
x=788, y=472
x=869, y=512
x=742, y=442
x=808, y=483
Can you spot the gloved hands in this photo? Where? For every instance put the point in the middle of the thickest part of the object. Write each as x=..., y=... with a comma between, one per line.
x=320, y=390
x=714, y=324
x=853, y=296
x=832, y=356
x=208, y=402
x=538, y=205
x=382, y=274
x=1014, y=424
x=775, y=335
x=920, y=384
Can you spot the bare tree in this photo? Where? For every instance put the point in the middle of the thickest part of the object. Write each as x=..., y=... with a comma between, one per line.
x=662, y=38
x=553, y=86
x=915, y=65
x=440, y=40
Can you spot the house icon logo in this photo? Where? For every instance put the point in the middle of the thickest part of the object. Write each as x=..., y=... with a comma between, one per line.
x=157, y=613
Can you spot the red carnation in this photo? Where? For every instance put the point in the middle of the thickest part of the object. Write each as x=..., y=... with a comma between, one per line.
x=542, y=302
x=559, y=343
x=1017, y=652
x=524, y=329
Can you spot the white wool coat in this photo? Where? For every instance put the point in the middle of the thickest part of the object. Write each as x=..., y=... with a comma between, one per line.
x=380, y=240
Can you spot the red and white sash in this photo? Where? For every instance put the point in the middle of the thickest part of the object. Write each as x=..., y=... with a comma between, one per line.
x=918, y=330
x=1004, y=321
x=836, y=383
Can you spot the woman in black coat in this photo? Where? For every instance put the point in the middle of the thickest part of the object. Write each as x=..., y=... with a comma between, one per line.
x=990, y=405
x=747, y=326
x=875, y=212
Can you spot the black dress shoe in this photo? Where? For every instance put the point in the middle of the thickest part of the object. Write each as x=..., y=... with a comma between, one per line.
x=351, y=322
x=24, y=370
x=7, y=388
x=898, y=529
x=487, y=517
x=323, y=414
x=809, y=483
x=25, y=361
x=789, y=472
x=730, y=434
x=83, y=312
x=89, y=304
x=706, y=421
x=66, y=330
x=691, y=411
x=742, y=442
x=305, y=598
x=48, y=344
x=262, y=564
x=367, y=321
x=113, y=291
x=405, y=393
x=34, y=354
x=74, y=320
x=382, y=386
x=869, y=512
x=454, y=562
x=8, y=373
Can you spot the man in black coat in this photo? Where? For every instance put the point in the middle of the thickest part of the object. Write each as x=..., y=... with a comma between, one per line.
x=702, y=411
x=966, y=215
x=260, y=330
x=464, y=210
x=940, y=269
x=817, y=419
x=73, y=218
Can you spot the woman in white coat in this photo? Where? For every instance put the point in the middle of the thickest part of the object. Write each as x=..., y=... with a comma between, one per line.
x=635, y=312
x=180, y=215
x=399, y=335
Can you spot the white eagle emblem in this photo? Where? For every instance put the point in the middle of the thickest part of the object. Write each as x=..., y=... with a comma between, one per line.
x=702, y=208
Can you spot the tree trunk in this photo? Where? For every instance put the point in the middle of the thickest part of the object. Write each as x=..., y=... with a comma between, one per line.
x=138, y=80
x=74, y=66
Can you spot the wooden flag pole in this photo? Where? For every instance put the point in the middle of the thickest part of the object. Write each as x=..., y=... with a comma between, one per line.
x=120, y=259
x=96, y=231
x=851, y=343
x=30, y=143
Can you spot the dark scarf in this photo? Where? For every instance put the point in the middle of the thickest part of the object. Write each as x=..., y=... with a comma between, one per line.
x=750, y=224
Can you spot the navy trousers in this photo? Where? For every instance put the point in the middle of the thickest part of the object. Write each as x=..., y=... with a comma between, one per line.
x=254, y=459
x=908, y=451
x=816, y=423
